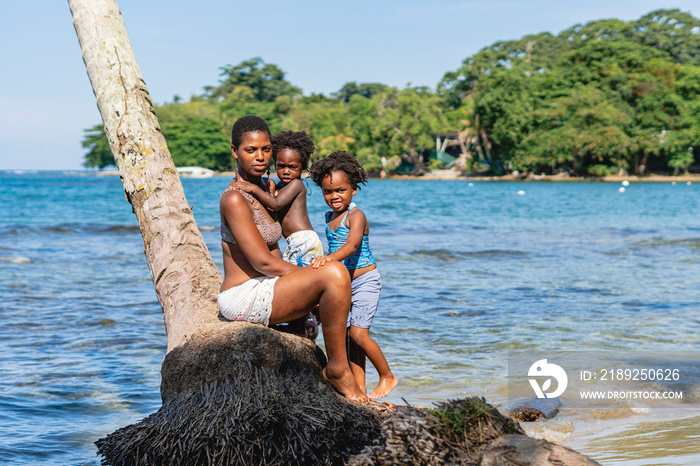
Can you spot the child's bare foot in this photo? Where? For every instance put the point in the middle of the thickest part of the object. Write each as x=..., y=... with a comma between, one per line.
x=384, y=387
x=346, y=386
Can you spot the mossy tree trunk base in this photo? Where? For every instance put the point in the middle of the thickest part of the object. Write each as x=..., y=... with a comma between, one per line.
x=245, y=394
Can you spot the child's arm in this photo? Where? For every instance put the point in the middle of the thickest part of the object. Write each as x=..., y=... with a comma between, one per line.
x=284, y=196
x=357, y=223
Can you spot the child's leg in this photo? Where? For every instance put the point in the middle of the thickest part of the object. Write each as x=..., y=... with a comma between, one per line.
x=387, y=380
x=365, y=298
x=358, y=360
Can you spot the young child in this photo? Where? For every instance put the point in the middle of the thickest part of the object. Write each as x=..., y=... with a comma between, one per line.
x=291, y=151
x=339, y=175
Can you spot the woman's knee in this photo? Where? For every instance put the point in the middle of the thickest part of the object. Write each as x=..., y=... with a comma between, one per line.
x=335, y=272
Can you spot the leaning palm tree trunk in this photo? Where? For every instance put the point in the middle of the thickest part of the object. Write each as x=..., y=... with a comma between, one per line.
x=233, y=393
x=185, y=278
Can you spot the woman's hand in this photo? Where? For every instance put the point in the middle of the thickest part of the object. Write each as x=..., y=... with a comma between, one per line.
x=319, y=261
x=243, y=185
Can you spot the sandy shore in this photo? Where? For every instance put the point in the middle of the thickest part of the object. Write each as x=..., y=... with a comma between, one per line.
x=454, y=175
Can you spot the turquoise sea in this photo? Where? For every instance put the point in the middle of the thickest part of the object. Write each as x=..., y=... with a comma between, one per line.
x=472, y=272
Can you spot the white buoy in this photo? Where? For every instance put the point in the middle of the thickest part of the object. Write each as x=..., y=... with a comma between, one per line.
x=689, y=183
x=625, y=183
x=622, y=190
x=521, y=193
x=471, y=184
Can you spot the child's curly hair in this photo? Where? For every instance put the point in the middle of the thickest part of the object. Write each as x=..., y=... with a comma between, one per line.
x=295, y=140
x=339, y=161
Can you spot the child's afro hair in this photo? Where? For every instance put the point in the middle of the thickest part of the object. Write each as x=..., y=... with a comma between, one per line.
x=248, y=124
x=295, y=140
x=339, y=161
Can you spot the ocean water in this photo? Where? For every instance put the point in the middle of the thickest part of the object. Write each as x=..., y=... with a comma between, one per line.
x=472, y=273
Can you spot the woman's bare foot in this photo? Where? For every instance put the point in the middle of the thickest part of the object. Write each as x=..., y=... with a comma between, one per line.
x=345, y=385
x=384, y=387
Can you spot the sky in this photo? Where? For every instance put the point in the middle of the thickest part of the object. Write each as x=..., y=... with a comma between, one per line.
x=46, y=101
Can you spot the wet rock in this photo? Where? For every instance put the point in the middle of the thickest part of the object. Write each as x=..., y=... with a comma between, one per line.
x=526, y=414
x=532, y=409
x=452, y=433
x=460, y=432
x=521, y=450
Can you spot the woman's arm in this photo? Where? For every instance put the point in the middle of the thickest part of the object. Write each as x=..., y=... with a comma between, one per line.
x=357, y=223
x=238, y=215
x=285, y=196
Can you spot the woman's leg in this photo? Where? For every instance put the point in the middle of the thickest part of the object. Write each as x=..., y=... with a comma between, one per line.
x=329, y=287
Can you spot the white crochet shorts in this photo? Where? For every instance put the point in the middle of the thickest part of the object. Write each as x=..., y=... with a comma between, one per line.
x=250, y=301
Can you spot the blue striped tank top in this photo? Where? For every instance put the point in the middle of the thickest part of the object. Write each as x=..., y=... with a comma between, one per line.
x=337, y=238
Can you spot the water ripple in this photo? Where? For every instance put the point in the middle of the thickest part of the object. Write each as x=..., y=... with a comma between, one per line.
x=464, y=284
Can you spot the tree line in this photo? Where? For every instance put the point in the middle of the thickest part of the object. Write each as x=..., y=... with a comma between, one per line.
x=601, y=98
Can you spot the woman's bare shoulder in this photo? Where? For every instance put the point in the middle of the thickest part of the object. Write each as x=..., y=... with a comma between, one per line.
x=233, y=199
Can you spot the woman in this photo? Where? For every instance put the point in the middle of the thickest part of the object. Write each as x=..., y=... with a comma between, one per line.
x=259, y=286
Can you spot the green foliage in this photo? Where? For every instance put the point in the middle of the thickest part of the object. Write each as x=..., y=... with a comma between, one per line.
x=198, y=141
x=366, y=90
x=531, y=54
x=472, y=423
x=265, y=81
x=573, y=130
x=370, y=161
x=504, y=101
x=672, y=31
x=405, y=121
x=600, y=170
x=470, y=414
x=193, y=140
x=99, y=154
x=600, y=98
x=436, y=164
x=681, y=160
x=596, y=99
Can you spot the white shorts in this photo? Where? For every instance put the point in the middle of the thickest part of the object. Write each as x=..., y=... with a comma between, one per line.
x=302, y=248
x=250, y=301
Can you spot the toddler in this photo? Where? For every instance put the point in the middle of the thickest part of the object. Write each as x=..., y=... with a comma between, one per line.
x=339, y=176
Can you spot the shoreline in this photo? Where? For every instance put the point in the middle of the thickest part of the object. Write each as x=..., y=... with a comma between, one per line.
x=451, y=175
